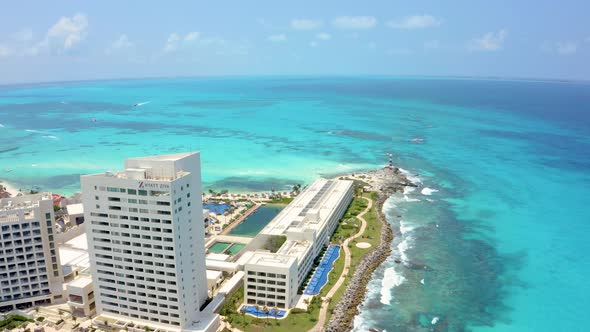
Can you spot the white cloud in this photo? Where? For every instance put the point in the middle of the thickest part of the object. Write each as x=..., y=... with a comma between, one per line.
x=415, y=22
x=192, y=36
x=566, y=48
x=5, y=51
x=61, y=37
x=122, y=43
x=68, y=31
x=323, y=36
x=491, y=41
x=355, y=22
x=176, y=41
x=305, y=24
x=172, y=43
x=277, y=38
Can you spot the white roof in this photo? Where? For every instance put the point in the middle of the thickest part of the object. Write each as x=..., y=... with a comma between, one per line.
x=311, y=208
x=245, y=258
x=75, y=252
x=220, y=265
x=75, y=208
x=295, y=248
x=80, y=282
x=73, y=257
x=79, y=242
x=213, y=275
x=217, y=257
x=271, y=259
x=166, y=157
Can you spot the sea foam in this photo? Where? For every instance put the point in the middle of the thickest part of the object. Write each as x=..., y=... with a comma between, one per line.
x=390, y=279
x=406, y=226
x=428, y=191
x=413, y=178
x=402, y=247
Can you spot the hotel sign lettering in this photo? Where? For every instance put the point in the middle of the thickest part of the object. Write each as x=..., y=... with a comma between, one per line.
x=148, y=185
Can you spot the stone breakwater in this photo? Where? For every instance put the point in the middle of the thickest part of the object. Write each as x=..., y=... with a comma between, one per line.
x=385, y=182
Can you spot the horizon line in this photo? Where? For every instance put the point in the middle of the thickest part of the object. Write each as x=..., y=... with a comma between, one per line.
x=383, y=76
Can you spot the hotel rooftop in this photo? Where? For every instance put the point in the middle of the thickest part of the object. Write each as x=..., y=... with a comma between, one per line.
x=271, y=260
x=309, y=210
x=153, y=168
x=11, y=208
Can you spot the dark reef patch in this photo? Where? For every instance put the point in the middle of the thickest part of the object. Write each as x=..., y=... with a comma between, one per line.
x=250, y=183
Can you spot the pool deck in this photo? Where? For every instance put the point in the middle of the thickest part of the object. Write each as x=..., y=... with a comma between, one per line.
x=241, y=219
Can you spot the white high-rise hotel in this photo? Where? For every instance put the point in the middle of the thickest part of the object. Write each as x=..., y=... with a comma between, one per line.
x=30, y=270
x=145, y=240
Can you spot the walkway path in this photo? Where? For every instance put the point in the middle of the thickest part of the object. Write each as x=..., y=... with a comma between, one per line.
x=326, y=300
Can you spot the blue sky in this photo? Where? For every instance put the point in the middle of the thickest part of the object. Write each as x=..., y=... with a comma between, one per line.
x=72, y=40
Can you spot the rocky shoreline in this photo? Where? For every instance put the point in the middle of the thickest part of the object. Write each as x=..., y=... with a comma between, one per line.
x=384, y=182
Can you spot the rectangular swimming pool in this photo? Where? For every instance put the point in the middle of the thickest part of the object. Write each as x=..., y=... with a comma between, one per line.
x=219, y=247
x=235, y=248
x=257, y=220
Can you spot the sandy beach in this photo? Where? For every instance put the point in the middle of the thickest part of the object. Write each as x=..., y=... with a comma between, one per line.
x=9, y=188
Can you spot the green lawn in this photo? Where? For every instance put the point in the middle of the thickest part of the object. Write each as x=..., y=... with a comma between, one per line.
x=372, y=236
x=295, y=321
x=282, y=200
x=13, y=321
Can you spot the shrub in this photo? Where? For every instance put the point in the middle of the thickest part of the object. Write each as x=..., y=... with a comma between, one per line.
x=298, y=311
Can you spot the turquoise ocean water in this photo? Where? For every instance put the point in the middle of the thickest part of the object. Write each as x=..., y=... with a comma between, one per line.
x=494, y=239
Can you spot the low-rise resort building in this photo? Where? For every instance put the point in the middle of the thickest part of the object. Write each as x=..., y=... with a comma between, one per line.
x=273, y=276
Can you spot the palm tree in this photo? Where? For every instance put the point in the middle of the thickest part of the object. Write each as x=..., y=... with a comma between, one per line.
x=265, y=310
